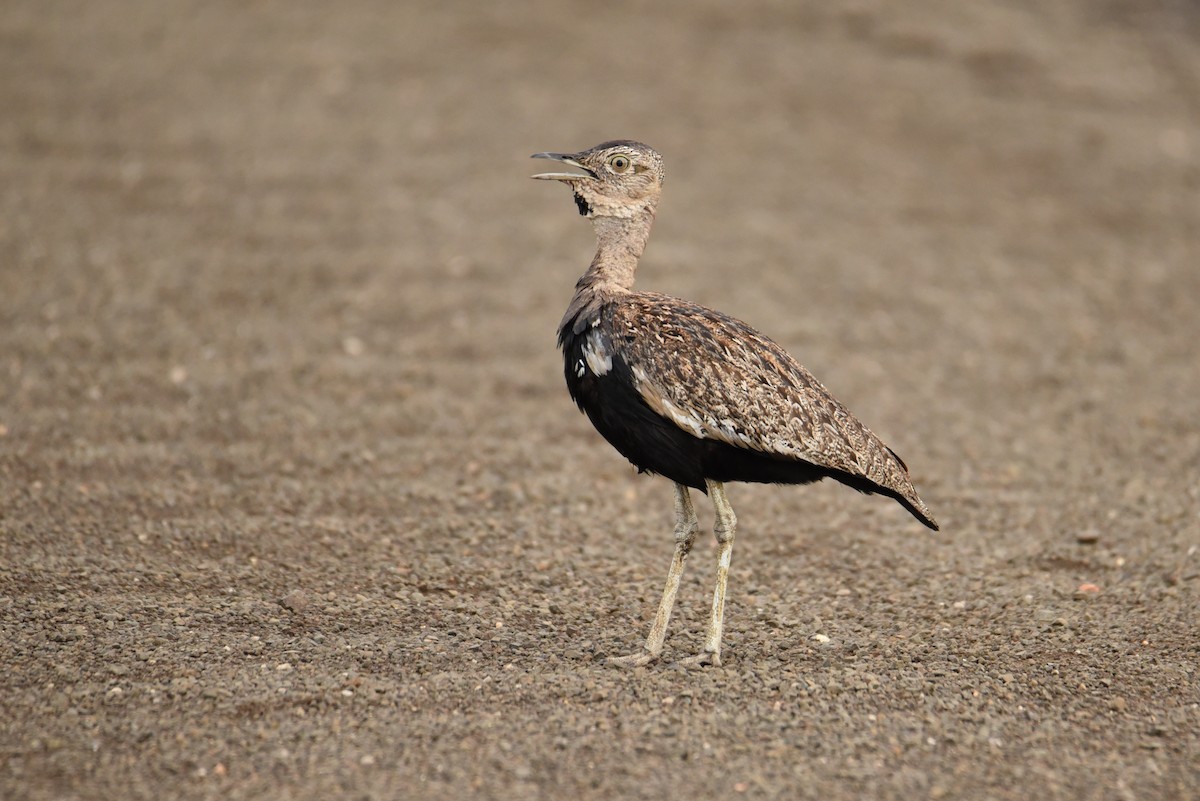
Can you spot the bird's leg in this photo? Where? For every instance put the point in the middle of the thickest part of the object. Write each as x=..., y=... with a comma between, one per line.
x=686, y=527
x=724, y=530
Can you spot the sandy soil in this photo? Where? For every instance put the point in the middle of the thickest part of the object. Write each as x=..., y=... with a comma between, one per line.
x=293, y=503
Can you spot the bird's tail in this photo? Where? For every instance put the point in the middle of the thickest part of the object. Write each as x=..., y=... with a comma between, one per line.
x=918, y=509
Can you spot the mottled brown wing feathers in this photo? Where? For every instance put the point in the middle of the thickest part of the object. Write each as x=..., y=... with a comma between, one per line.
x=720, y=379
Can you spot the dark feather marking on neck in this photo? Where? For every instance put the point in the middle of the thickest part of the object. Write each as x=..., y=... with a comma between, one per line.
x=584, y=208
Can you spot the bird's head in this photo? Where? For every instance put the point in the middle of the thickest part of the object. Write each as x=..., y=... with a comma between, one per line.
x=620, y=179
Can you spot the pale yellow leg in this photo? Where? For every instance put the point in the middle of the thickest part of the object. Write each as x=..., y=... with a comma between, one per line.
x=686, y=527
x=724, y=530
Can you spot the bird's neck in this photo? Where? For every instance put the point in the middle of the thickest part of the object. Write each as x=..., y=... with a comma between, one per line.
x=619, y=245
x=620, y=242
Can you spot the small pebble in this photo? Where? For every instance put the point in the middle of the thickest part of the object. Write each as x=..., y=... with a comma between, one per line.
x=295, y=600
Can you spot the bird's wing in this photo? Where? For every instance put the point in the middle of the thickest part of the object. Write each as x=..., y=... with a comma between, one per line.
x=718, y=378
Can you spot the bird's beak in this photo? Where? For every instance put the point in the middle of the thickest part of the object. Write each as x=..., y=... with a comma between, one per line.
x=565, y=158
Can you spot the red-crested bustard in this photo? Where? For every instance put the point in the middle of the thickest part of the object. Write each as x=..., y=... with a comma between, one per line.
x=692, y=394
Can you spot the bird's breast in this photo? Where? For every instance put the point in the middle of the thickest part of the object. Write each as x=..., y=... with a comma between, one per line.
x=588, y=361
x=597, y=352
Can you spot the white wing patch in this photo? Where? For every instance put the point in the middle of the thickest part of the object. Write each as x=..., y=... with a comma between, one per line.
x=731, y=433
x=598, y=359
x=684, y=420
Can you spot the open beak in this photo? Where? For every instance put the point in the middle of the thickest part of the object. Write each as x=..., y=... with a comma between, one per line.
x=565, y=158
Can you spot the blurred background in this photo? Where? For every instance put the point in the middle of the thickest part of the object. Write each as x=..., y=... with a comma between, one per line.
x=277, y=312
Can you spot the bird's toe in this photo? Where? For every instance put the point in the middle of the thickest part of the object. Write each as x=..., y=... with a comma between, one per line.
x=702, y=659
x=632, y=660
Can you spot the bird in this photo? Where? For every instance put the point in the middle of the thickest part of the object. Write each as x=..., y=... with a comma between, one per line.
x=690, y=393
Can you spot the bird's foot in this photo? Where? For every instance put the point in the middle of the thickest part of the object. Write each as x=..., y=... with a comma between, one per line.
x=702, y=659
x=632, y=660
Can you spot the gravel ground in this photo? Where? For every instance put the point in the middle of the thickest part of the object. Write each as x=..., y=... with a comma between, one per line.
x=293, y=503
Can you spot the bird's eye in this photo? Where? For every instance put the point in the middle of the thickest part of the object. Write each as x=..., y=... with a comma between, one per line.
x=619, y=163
